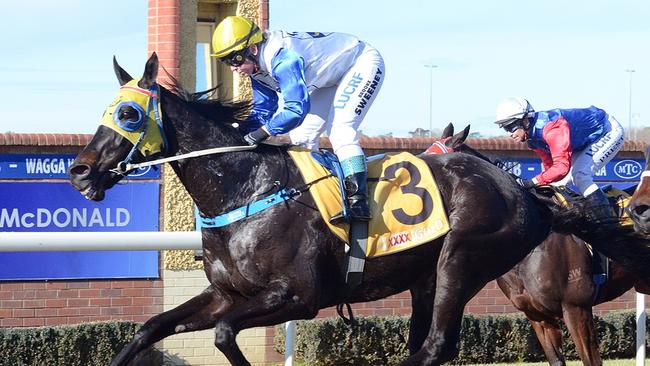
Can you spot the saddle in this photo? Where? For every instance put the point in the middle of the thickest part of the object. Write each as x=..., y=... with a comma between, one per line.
x=618, y=199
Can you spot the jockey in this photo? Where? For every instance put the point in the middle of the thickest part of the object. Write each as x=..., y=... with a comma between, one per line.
x=572, y=143
x=327, y=82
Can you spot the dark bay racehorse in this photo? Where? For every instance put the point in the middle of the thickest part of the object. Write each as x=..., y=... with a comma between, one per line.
x=555, y=281
x=639, y=206
x=283, y=263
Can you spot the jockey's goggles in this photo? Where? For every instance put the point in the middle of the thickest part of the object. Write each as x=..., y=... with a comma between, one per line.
x=237, y=58
x=512, y=125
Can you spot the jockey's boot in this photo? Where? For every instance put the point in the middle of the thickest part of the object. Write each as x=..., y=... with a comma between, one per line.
x=599, y=207
x=356, y=190
x=356, y=199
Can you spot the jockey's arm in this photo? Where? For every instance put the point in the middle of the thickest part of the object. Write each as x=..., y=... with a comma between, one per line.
x=265, y=103
x=558, y=138
x=545, y=156
x=288, y=70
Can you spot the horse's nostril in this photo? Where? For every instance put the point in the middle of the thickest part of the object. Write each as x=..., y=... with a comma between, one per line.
x=79, y=170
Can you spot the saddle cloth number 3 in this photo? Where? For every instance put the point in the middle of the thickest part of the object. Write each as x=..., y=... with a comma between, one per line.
x=407, y=207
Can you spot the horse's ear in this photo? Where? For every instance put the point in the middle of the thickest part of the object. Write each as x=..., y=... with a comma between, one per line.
x=448, y=131
x=122, y=76
x=465, y=132
x=150, y=72
x=458, y=139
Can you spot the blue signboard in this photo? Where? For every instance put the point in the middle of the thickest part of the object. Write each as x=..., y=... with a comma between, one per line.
x=618, y=170
x=57, y=206
x=45, y=166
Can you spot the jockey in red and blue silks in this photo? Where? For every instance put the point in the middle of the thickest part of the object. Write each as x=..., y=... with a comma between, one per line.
x=573, y=144
x=327, y=82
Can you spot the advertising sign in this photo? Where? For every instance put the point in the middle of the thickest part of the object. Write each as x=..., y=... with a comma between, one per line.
x=618, y=170
x=44, y=166
x=58, y=207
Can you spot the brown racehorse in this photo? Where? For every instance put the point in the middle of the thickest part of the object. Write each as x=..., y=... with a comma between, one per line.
x=556, y=282
x=639, y=206
x=283, y=263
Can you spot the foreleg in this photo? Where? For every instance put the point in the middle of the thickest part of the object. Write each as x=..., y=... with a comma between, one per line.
x=274, y=305
x=549, y=335
x=198, y=313
x=580, y=322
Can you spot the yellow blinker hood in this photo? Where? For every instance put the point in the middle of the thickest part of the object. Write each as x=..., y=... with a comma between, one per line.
x=150, y=134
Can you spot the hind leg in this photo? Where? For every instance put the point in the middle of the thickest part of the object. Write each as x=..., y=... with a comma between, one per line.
x=273, y=305
x=198, y=313
x=422, y=296
x=459, y=279
x=549, y=336
x=580, y=323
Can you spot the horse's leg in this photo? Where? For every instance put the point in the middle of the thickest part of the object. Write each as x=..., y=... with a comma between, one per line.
x=198, y=313
x=580, y=322
x=422, y=296
x=459, y=278
x=271, y=306
x=549, y=335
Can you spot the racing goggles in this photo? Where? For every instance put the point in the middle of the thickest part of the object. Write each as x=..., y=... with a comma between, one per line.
x=237, y=58
x=513, y=125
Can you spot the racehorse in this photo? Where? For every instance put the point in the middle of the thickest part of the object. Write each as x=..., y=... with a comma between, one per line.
x=283, y=263
x=555, y=281
x=639, y=206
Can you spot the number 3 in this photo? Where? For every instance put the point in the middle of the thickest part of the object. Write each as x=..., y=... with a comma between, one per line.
x=412, y=188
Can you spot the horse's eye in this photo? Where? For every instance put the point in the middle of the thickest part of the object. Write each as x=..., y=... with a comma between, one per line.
x=127, y=113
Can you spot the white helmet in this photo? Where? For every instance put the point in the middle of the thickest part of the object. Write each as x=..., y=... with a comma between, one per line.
x=512, y=111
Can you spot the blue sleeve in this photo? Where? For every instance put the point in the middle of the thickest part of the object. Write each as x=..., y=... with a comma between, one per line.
x=265, y=103
x=288, y=70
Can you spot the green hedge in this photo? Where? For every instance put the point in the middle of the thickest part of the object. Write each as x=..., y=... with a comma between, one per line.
x=484, y=339
x=89, y=344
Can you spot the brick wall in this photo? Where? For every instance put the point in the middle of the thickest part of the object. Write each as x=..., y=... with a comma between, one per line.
x=490, y=300
x=163, y=30
x=44, y=303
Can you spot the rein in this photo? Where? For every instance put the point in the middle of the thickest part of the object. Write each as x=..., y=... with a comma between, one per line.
x=124, y=166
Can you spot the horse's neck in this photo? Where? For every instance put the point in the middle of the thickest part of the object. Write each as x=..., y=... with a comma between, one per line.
x=220, y=182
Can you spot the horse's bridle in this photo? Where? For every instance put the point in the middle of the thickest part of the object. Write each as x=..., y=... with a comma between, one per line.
x=152, y=107
x=124, y=166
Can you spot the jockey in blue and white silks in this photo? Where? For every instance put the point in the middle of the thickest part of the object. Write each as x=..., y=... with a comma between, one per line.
x=306, y=84
x=573, y=144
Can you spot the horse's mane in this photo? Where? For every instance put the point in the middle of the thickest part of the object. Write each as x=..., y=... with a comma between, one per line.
x=211, y=108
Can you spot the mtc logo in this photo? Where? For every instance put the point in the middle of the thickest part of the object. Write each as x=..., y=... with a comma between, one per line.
x=628, y=169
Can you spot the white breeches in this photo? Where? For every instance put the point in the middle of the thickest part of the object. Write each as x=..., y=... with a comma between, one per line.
x=339, y=110
x=594, y=157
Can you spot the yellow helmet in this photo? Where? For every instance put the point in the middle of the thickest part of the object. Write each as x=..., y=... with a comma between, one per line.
x=234, y=33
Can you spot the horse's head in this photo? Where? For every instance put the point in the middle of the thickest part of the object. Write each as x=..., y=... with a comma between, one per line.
x=639, y=206
x=130, y=131
x=448, y=142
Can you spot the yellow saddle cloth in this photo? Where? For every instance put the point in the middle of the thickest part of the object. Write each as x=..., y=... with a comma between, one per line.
x=406, y=206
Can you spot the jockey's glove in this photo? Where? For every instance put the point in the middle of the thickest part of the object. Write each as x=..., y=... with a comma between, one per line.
x=526, y=183
x=257, y=136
